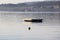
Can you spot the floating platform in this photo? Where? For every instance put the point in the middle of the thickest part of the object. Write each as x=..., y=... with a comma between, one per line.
x=33, y=20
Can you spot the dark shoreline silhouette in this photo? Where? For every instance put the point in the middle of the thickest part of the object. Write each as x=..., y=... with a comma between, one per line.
x=32, y=6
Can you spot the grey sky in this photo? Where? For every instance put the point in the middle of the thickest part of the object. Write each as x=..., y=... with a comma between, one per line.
x=19, y=1
x=16, y=1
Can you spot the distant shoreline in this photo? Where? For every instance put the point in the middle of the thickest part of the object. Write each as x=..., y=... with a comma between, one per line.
x=27, y=12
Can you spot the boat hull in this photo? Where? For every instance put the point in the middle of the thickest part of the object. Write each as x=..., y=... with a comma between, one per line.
x=33, y=20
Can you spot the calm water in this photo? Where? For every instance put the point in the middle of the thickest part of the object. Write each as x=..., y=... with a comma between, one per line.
x=13, y=27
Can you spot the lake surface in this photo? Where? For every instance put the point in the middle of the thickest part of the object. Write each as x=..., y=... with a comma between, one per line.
x=13, y=27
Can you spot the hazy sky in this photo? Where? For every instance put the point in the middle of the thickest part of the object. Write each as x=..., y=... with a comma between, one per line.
x=17, y=1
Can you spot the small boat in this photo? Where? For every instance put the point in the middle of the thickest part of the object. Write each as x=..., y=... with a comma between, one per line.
x=33, y=20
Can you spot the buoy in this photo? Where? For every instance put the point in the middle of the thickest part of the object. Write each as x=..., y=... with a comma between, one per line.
x=29, y=28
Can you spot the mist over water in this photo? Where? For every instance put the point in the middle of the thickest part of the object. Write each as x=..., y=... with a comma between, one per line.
x=13, y=27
